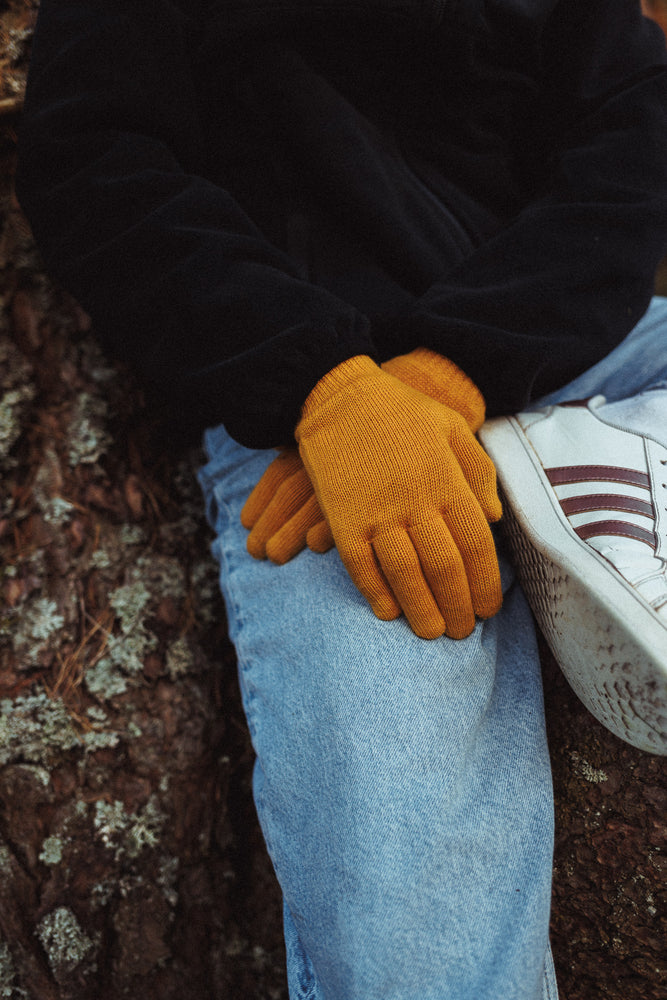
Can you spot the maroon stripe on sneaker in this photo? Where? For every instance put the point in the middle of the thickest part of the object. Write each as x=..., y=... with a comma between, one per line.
x=561, y=475
x=606, y=501
x=620, y=528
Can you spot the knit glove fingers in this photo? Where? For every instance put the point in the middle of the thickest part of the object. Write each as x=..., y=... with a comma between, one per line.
x=445, y=571
x=472, y=539
x=433, y=566
x=289, y=498
x=276, y=473
x=319, y=537
x=478, y=470
x=289, y=540
x=426, y=575
x=364, y=569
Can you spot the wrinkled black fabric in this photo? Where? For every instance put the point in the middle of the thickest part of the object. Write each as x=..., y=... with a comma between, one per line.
x=244, y=194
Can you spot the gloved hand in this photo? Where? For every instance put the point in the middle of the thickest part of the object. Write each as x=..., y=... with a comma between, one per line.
x=407, y=492
x=282, y=509
x=282, y=512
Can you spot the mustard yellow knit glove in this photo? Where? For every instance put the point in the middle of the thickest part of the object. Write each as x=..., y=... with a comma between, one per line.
x=282, y=513
x=407, y=492
x=442, y=380
x=281, y=510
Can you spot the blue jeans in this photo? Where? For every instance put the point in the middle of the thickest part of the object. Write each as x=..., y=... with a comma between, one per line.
x=403, y=786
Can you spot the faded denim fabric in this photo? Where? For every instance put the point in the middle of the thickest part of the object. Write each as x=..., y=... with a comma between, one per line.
x=403, y=786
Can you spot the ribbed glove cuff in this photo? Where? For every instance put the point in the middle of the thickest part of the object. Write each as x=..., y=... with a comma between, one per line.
x=340, y=377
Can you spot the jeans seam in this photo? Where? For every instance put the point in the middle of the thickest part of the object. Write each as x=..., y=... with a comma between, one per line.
x=242, y=660
x=548, y=993
x=235, y=610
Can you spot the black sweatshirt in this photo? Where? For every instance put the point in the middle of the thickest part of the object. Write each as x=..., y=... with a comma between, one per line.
x=245, y=193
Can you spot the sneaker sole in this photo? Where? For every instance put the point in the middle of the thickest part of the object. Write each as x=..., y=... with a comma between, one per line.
x=606, y=639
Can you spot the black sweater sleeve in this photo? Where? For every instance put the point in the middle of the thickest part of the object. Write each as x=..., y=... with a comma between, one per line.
x=177, y=278
x=563, y=283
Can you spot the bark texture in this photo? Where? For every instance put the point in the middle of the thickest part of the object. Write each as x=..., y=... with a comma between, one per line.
x=130, y=859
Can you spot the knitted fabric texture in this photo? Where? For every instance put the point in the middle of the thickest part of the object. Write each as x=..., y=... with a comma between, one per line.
x=407, y=492
x=282, y=512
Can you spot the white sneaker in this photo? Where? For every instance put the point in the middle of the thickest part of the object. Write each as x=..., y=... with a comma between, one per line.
x=586, y=516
